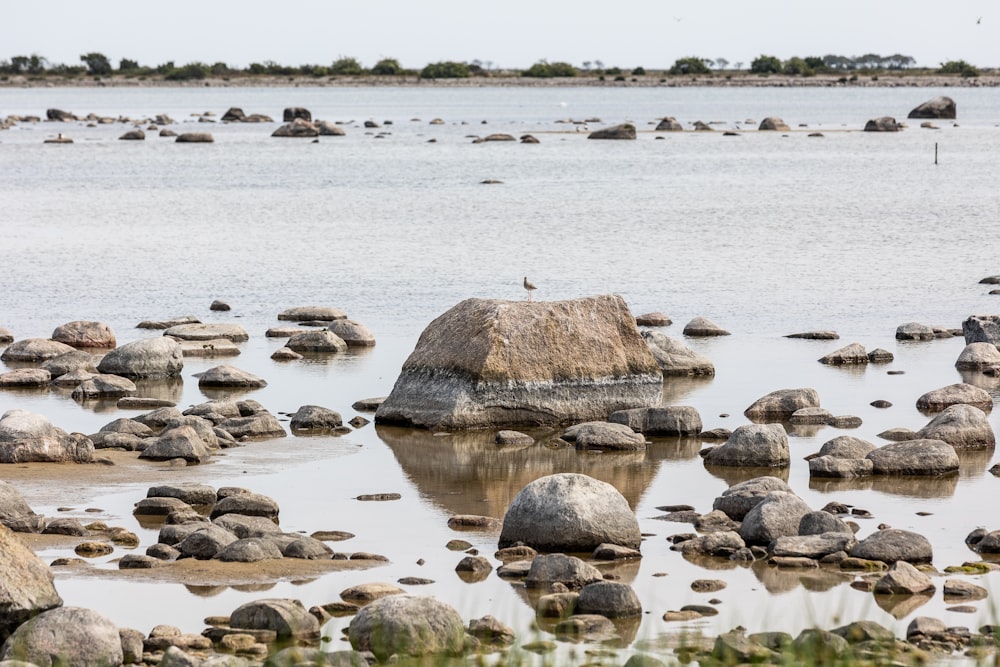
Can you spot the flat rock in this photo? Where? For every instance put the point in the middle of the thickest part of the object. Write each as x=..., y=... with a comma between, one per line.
x=166, y=324
x=85, y=334
x=812, y=546
x=914, y=457
x=815, y=335
x=810, y=416
x=669, y=420
x=229, y=376
x=653, y=320
x=893, y=545
x=317, y=341
x=207, y=332
x=978, y=356
x=623, y=131
x=604, y=436
x=25, y=377
x=306, y=313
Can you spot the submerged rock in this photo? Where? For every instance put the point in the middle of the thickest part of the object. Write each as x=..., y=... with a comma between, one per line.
x=492, y=363
x=774, y=123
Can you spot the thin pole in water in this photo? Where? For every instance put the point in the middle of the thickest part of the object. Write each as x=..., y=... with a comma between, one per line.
x=935, y=152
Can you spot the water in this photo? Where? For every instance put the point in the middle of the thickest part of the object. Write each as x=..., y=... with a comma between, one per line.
x=765, y=233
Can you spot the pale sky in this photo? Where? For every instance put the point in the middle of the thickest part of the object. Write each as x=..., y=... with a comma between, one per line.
x=510, y=34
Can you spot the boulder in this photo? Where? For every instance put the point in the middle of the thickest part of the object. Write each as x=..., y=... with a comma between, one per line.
x=66, y=637
x=702, y=327
x=248, y=550
x=190, y=493
x=312, y=313
x=353, y=333
x=821, y=521
x=669, y=124
x=297, y=128
x=166, y=324
x=229, y=376
x=954, y=394
x=133, y=135
x=148, y=358
x=207, y=332
x=6, y=336
x=499, y=363
x=670, y=420
x=812, y=546
x=205, y=542
x=675, y=358
x=27, y=437
x=569, y=512
x=653, y=320
x=104, y=386
x=604, y=435
x=846, y=447
x=12, y=504
x=939, y=107
x=288, y=619
x=248, y=504
x=978, y=356
x=722, y=544
x=779, y=405
x=914, y=457
x=962, y=427
x=810, y=416
x=739, y=499
x=982, y=329
x=763, y=445
x=892, y=544
x=328, y=129
x=258, y=426
x=181, y=442
x=903, y=579
x=880, y=356
x=509, y=438
x=778, y=514
x=316, y=341
x=623, y=131
x=774, y=123
x=569, y=571
x=26, y=582
x=243, y=526
x=34, y=350
x=316, y=418
x=304, y=547
x=25, y=377
x=85, y=334
x=854, y=353
x=832, y=466
x=407, y=625
x=59, y=115
x=611, y=599
x=882, y=124
x=70, y=362
x=914, y=331
x=233, y=114
x=195, y=138
x=291, y=113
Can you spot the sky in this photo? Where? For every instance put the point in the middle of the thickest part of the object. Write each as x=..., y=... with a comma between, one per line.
x=510, y=34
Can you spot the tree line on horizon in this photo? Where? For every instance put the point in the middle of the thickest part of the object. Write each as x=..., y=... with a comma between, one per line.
x=97, y=65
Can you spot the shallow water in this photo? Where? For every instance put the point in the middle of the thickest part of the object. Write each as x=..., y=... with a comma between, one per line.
x=765, y=233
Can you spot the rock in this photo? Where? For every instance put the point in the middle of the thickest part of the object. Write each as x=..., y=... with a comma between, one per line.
x=865, y=631
x=925, y=626
x=305, y=548
x=880, y=356
x=243, y=526
x=524, y=363
x=774, y=123
x=675, y=358
x=208, y=332
x=291, y=113
x=893, y=545
x=939, y=107
x=764, y=445
x=194, y=138
x=103, y=386
x=34, y=350
x=478, y=566
x=778, y=514
x=569, y=571
x=6, y=336
x=69, y=362
x=473, y=521
x=328, y=129
x=821, y=645
x=148, y=358
x=807, y=416
x=65, y=636
x=722, y=544
x=615, y=552
x=26, y=586
x=316, y=418
x=407, y=625
x=297, y=128
x=229, y=376
x=167, y=133
x=247, y=504
x=233, y=114
x=914, y=457
x=815, y=335
x=285, y=354
x=903, y=579
x=26, y=437
x=653, y=320
x=734, y=647
x=623, y=131
x=249, y=550
x=846, y=447
x=819, y=522
x=257, y=426
x=138, y=562
x=671, y=420
x=586, y=628
x=181, y=442
x=962, y=427
x=365, y=593
x=703, y=327
x=739, y=499
x=569, y=512
x=604, y=435
x=669, y=124
x=368, y=404
x=978, y=356
x=854, y=353
x=898, y=434
x=85, y=334
x=166, y=324
x=513, y=438
x=644, y=660
x=491, y=632
x=914, y=331
x=982, y=329
x=287, y=618
x=882, y=124
x=133, y=135
x=353, y=333
x=205, y=542
x=831, y=466
x=59, y=115
x=812, y=546
x=307, y=313
x=317, y=341
x=159, y=506
x=25, y=377
x=954, y=394
x=962, y=589
x=190, y=493
x=556, y=605
x=779, y=405
x=611, y=599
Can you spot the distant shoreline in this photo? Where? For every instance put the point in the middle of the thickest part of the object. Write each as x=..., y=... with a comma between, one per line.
x=744, y=80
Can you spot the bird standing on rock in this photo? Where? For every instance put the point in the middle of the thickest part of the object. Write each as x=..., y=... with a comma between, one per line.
x=528, y=287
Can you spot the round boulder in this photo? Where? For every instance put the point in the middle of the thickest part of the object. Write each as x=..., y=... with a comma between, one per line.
x=780, y=405
x=893, y=545
x=316, y=418
x=569, y=571
x=914, y=331
x=569, y=512
x=623, y=131
x=939, y=107
x=667, y=420
x=763, y=445
x=955, y=394
x=774, y=123
x=287, y=618
x=229, y=376
x=777, y=515
x=669, y=124
x=674, y=357
x=914, y=457
x=66, y=637
x=854, y=353
x=148, y=358
x=34, y=349
x=85, y=334
x=407, y=625
x=317, y=341
x=739, y=499
x=977, y=356
x=882, y=124
x=701, y=327
x=611, y=599
x=962, y=427
x=846, y=447
x=353, y=333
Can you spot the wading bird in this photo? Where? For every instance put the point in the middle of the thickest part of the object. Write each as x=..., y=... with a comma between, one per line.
x=528, y=287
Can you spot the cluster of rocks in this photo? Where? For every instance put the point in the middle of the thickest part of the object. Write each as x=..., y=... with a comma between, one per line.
x=856, y=354
x=798, y=407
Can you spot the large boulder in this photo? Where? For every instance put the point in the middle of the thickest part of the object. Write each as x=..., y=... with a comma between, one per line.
x=669, y=124
x=497, y=363
x=779, y=405
x=903, y=579
x=317, y=341
x=846, y=447
x=939, y=107
x=147, y=358
x=229, y=376
x=623, y=131
x=954, y=394
x=676, y=358
x=854, y=353
x=774, y=123
x=569, y=512
x=892, y=544
x=85, y=334
x=291, y=113
x=778, y=514
x=104, y=386
x=66, y=637
x=27, y=437
x=297, y=128
x=34, y=349
x=407, y=625
x=286, y=618
x=882, y=124
x=312, y=313
x=757, y=445
x=181, y=442
x=570, y=571
x=77, y=360
x=978, y=356
x=611, y=599
x=914, y=457
x=26, y=586
x=355, y=334
x=982, y=329
x=668, y=420
x=962, y=427
x=739, y=499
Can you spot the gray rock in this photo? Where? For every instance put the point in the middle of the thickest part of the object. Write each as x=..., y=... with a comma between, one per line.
x=208, y=332
x=181, y=442
x=880, y=356
x=407, y=625
x=721, y=544
x=299, y=128
x=898, y=434
x=914, y=331
x=893, y=545
x=830, y=466
x=739, y=499
x=586, y=628
x=258, y=426
x=570, y=571
x=513, y=438
x=903, y=579
x=735, y=647
x=982, y=329
x=807, y=416
x=612, y=599
x=25, y=377
x=774, y=123
x=291, y=113
x=248, y=550
x=229, y=376
x=104, y=386
x=925, y=626
x=205, y=542
x=819, y=522
x=623, y=131
x=85, y=334
x=65, y=636
x=778, y=514
x=604, y=435
x=317, y=341
x=244, y=526
x=882, y=124
x=26, y=587
x=353, y=333
x=316, y=418
x=954, y=394
x=821, y=645
x=27, y=437
x=653, y=320
x=166, y=324
x=148, y=358
x=703, y=327
x=675, y=358
x=569, y=512
x=365, y=593
x=978, y=356
x=328, y=129
x=962, y=589
x=195, y=138
x=865, y=631
x=853, y=354
x=846, y=447
x=670, y=420
x=34, y=350
x=12, y=503
x=815, y=335
x=287, y=618
x=758, y=445
x=780, y=405
x=78, y=360
x=914, y=457
x=191, y=493
x=305, y=548
x=477, y=565
x=615, y=552
x=812, y=546
x=247, y=504
x=938, y=107
x=962, y=427
x=138, y=562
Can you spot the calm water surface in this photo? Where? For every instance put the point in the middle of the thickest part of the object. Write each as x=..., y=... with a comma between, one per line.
x=765, y=233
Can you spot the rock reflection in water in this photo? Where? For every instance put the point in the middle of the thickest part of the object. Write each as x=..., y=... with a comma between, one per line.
x=465, y=472
x=735, y=474
x=782, y=580
x=167, y=389
x=978, y=379
x=909, y=486
x=676, y=388
x=901, y=606
x=972, y=463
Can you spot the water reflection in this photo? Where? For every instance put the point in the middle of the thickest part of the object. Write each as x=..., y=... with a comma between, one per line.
x=977, y=379
x=909, y=486
x=166, y=389
x=735, y=474
x=676, y=388
x=901, y=606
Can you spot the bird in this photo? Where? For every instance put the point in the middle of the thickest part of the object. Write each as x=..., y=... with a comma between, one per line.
x=528, y=287
x=979, y=20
